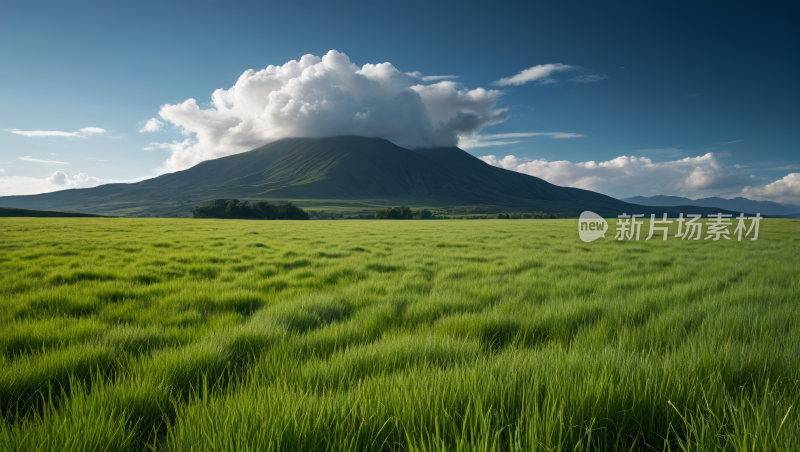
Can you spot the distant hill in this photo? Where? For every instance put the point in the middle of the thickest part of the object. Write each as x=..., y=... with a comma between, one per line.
x=345, y=170
x=8, y=212
x=735, y=204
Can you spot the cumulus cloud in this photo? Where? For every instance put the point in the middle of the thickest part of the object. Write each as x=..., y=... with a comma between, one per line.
x=46, y=162
x=152, y=125
x=588, y=78
x=81, y=180
x=58, y=180
x=317, y=97
x=540, y=73
x=627, y=176
x=786, y=190
x=495, y=139
x=23, y=185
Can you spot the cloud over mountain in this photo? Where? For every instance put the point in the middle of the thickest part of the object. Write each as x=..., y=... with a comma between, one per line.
x=317, y=97
x=785, y=190
x=629, y=175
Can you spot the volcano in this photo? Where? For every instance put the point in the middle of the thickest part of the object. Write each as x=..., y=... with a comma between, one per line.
x=347, y=171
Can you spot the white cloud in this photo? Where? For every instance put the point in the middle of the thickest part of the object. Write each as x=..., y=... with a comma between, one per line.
x=431, y=78
x=318, y=97
x=629, y=176
x=786, y=190
x=540, y=72
x=46, y=162
x=588, y=78
x=152, y=125
x=23, y=185
x=2, y=170
x=175, y=146
x=92, y=130
x=731, y=142
x=43, y=133
x=55, y=133
x=487, y=140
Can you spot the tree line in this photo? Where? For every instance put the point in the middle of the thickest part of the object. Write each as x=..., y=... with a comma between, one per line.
x=232, y=208
x=402, y=213
x=405, y=213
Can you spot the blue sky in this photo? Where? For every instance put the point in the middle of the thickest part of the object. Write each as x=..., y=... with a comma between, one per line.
x=681, y=100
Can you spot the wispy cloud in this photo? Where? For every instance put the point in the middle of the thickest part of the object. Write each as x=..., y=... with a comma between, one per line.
x=431, y=78
x=43, y=133
x=692, y=95
x=86, y=131
x=46, y=162
x=660, y=151
x=588, y=78
x=483, y=141
x=556, y=135
x=92, y=130
x=731, y=142
x=786, y=168
x=540, y=73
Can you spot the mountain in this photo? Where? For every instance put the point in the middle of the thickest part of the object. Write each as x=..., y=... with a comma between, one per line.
x=6, y=212
x=344, y=171
x=735, y=204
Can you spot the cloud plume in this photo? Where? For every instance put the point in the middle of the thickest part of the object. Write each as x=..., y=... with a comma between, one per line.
x=317, y=97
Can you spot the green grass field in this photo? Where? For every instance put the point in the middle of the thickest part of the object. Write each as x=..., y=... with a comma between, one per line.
x=181, y=334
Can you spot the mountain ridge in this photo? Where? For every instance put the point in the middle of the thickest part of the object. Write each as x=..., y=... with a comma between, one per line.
x=336, y=171
x=737, y=204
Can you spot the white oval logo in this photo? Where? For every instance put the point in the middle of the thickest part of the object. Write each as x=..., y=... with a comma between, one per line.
x=591, y=226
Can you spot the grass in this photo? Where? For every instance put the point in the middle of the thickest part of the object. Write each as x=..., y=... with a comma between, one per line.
x=157, y=334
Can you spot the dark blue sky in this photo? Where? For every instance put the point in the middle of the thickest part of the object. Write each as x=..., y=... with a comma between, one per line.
x=676, y=81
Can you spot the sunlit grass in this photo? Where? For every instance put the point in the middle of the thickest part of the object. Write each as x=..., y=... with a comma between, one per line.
x=138, y=334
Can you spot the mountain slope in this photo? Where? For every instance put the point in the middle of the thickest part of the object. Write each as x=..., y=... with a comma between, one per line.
x=735, y=204
x=347, y=170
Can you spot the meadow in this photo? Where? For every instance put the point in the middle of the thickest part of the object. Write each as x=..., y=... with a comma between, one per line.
x=187, y=335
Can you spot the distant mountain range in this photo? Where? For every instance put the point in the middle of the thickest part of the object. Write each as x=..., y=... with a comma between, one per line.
x=735, y=204
x=345, y=171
